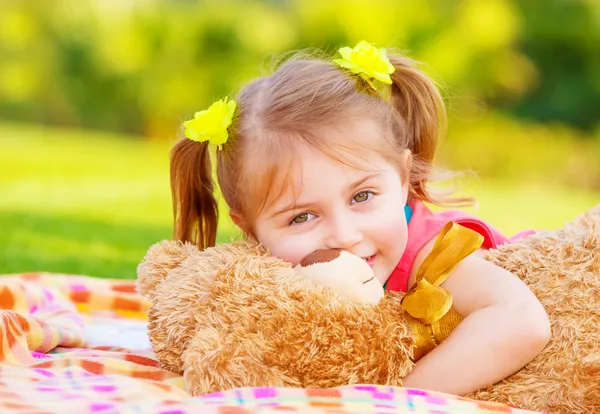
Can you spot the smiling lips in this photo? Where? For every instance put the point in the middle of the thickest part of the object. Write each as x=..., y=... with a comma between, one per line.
x=370, y=260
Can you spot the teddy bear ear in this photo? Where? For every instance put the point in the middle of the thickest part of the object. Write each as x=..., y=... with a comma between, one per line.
x=159, y=260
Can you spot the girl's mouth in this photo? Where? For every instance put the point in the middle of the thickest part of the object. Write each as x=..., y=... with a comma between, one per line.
x=370, y=260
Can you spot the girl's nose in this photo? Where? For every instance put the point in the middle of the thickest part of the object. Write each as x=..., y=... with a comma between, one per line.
x=344, y=234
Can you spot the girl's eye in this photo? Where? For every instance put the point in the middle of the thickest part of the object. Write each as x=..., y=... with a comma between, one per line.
x=301, y=218
x=362, y=196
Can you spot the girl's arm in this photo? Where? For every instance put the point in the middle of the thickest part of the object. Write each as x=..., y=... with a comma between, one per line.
x=504, y=328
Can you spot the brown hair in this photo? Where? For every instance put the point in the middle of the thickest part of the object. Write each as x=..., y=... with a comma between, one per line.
x=295, y=106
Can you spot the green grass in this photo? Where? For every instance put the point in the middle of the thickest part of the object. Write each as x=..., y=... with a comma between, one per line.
x=77, y=202
x=87, y=203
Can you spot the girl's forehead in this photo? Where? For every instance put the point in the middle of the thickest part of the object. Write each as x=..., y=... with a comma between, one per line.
x=317, y=176
x=302, y=162
x=317, y=166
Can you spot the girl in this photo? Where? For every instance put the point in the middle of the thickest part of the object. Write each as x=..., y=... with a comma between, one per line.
x=337, y=155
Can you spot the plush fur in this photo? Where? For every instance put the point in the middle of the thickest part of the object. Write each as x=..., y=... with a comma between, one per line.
x=234, y=316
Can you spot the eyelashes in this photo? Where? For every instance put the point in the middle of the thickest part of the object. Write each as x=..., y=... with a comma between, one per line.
x=300, y=218
x=361, y=194
x=358, y=198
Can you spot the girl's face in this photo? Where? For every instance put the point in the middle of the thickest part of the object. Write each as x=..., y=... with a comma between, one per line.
x=330, y=205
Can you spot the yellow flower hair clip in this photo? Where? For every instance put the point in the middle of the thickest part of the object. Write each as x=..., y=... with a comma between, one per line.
x=368, y=62
x=211, y=124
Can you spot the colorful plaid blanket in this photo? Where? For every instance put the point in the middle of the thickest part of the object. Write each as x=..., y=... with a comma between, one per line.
x=77, y=344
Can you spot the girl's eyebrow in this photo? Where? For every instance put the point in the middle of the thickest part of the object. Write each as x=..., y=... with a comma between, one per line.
x=363, y=180
x=302, y=206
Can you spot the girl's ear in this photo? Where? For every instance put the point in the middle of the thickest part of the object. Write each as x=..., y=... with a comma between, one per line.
x=237, y=219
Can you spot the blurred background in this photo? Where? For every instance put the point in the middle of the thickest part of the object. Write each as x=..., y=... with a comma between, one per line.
x=93, y=92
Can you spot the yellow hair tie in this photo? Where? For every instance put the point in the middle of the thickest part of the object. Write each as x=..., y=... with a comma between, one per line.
x=211, y=124
x=368, y=62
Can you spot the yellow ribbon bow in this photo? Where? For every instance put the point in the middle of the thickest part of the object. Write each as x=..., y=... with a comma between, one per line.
x=368, y=62
x=211, y=124
x=429, y=306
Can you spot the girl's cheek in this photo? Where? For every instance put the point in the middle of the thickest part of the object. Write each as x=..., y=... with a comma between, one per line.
x=293, y=259
x=293, y=251
x=281, y=248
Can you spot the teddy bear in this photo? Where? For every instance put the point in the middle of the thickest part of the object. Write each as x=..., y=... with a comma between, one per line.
x=235, y=316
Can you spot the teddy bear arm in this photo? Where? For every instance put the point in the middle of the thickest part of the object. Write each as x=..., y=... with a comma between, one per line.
x=217, y=360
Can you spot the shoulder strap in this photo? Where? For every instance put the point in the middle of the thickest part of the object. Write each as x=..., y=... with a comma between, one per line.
x=428, y=304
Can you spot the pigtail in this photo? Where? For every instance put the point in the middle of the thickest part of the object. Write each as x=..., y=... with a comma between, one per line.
x=422, y=119
x=195, y=208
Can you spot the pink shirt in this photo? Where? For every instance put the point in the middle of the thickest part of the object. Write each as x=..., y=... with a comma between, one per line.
x=424, y=225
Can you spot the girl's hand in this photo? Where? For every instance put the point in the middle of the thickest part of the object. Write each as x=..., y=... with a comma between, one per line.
x=504, y=328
